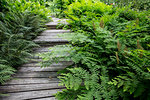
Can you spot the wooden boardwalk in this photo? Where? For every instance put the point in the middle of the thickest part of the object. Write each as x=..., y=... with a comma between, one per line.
x=32, y=82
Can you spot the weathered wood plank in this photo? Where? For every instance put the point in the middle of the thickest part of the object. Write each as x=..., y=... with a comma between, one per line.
x=40, y=69
x=54, y=24
x=36, y=65
x=44, y=44
x=34, y=56
x=55, y=31
x=48, y=98
x=59, y=64
x=53, y=34
x=35, y=75
x=33, y=60
x=48, y=40
x=49, y=37
x=29, y=87
x=32, y=81
x=30, y=95
x=42, y=49
x=56, y=21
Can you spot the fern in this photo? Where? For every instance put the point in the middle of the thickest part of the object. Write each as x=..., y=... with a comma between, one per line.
x=109, y=50
x=5, y=71
x=20, y=22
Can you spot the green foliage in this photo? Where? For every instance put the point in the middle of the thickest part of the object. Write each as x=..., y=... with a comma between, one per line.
x=20, y=22
x=42, y=2
x=29, y=6
x=84, y=12
x=136, y=4
x=26, y=24
x=5, y=71
x=61, y=5
x=3, y=5
x=110, y=50
x=67, y=94
x=16, y=30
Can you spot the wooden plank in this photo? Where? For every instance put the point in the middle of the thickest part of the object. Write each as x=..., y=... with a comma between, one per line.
x=34, y=56
x=49, y=37
x=35, y=75
x=52, y=24
x=51, y=43
x=48, y=98
x=43, y=44
x=32, y=81
x=38, y=57
x=54, y=34
x=36, y=65
x=30, y=95
x=39, y=60
x=56, y=21
x=40, y=69
x=59, y=64
x=29, y=87
x=55, y=31
x=42, y=49
x=48, y=40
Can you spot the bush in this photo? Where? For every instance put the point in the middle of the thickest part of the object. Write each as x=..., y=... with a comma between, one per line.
x=81, y=14
x=20, y=22
x=28, y=6
x=5, y=71
x=61, y=5
x=110, y=50
x=136, y=4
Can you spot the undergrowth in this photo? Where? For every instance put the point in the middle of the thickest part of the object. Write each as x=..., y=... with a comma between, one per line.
x=20, y=22
x=110, y=52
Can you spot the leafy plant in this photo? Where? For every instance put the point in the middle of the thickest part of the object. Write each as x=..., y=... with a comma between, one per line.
x=136, y=4
x=3, y=5
x=110, y=54
x=29, y=6
x=20, y=22
x=5, y=71
x=61, y=5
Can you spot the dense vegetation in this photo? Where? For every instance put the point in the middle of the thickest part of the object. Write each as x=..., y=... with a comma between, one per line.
x=60, y=5
x=110, y=48
x=110, y=45
x=20, y=22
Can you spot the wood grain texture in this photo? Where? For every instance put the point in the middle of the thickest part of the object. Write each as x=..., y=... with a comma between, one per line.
x=29, y=87
x=59, y=64
x=32, y=82
x=55, y=33
x=35, y=75
x=48, y=98
x=30, y=95
x=19, y=81
x=40, y=69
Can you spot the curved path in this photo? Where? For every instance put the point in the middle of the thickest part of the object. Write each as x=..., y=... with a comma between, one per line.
x=32, y=82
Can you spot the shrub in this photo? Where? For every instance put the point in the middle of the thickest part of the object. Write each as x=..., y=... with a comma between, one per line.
x=20, y=22
x=84, y=12
x=136, y=4
x=110, y=50
x=61, y=5
x=5, y=71
x=29, y=6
